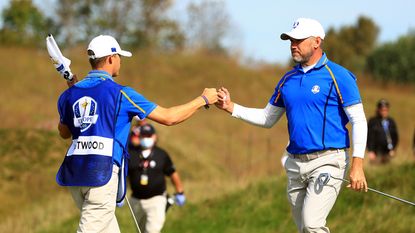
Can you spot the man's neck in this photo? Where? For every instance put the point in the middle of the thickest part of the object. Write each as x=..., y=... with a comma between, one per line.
x=106, y=69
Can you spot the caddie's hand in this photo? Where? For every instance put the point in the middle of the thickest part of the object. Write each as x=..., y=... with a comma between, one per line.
x=211, y=94
x=73, y=81
x=357, y=176
x=180, y=199
x=224, y=100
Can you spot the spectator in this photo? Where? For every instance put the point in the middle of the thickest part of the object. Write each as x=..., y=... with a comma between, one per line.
x=382, y=136
x=149, y=164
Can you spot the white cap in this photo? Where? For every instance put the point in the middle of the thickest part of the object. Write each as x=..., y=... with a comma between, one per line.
x=304, y=28
x=104, y=45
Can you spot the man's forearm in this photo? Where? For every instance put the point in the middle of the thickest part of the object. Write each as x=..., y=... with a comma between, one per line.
x=357, y=119
x=175, y=179
x=176, y=114
x=64, y=131
x=265, y=117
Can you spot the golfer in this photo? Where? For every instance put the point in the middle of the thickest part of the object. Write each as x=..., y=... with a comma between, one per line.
x=319, y=98
x=96, y=113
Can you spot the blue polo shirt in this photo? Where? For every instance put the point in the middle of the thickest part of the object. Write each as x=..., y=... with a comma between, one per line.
x=131, y=104
x=314, y=102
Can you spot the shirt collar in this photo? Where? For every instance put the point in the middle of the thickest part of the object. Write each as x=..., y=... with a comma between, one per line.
x=322, y=62
x=99, y=74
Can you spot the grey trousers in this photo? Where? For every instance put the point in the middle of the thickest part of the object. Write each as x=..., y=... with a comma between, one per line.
x=310, y=202
x=97, y=205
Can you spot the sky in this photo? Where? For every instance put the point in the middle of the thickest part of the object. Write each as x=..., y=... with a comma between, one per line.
x=257, y=24
x=261, y=22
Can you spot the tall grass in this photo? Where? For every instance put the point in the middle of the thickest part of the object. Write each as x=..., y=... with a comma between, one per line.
x=215, y=154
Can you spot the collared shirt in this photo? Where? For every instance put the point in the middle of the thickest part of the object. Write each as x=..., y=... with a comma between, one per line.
x=314, y=102
x=131, y=104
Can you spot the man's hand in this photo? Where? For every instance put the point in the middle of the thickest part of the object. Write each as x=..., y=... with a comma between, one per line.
x=73, y=81
x=211, y=94
x=357, y=176
x=224, y=100
x=180, y=199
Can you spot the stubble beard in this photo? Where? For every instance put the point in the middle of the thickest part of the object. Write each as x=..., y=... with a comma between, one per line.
x=302, y=59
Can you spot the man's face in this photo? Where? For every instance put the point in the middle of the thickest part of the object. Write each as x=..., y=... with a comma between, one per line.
x=302, y=50
x=383, y=111
x=148, y=141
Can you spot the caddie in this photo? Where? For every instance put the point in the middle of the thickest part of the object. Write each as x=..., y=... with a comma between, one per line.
x=319, y=97
x=96, y=113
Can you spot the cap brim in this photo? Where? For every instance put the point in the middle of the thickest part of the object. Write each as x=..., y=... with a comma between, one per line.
x=288, y=35
x=284, y=36
x=146, y=134
x=125, y=53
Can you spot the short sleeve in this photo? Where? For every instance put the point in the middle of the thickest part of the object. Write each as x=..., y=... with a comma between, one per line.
x=276, y=98
x=348, y=89
x=168, y=168
x=136, y=104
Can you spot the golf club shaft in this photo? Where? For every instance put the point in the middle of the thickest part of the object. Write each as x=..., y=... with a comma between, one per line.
x=381, y=193
x=132, y=213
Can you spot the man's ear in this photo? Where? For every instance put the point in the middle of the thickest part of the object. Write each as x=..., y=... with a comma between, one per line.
x=110, y=61
x=317, y=42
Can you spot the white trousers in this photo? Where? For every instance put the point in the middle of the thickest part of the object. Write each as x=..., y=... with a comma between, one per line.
x=311, y=202
x=150, y=213
x=97, y=205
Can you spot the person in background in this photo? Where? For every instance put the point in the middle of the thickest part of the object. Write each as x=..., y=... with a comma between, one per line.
x=148, y=167
x=382, y=137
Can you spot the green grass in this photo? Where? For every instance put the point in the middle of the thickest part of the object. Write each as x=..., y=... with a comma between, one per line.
x=225, y=164
x=262, y=207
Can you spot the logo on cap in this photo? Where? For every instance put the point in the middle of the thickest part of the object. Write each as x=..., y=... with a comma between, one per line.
x=84, y=110
x=295, y=24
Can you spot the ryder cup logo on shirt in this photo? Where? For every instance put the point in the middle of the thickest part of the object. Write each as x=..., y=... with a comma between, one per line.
x=84, y=112
x=315, y=89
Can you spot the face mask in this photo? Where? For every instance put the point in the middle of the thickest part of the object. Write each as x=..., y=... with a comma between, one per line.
x=147, y=142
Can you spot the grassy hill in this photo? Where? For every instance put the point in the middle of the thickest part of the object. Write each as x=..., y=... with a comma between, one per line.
x=262, y=208
x=225, y=164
